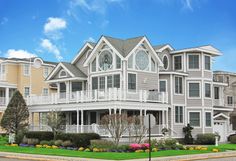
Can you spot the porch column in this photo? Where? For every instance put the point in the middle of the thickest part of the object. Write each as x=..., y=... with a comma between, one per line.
x=163, y=120
x=82, y=121
x=167, y=119
x=145, y=112
x=109, y=111
x=141, y=113
x=6, y=95
x=67, y=91
x=77, y=121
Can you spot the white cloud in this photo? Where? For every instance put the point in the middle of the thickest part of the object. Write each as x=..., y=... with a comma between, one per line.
x=51, y=48
x=90, y=39
x=12, y=53
x=54, y=24
x=4, y=20
x=187, y=4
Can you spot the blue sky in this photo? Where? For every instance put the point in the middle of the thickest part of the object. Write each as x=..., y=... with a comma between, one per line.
x=56, y=29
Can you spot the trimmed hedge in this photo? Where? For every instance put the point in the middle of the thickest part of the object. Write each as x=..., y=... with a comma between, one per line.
x=78, y=139
x=205, y=139
x=40, y=135
x=232, y=139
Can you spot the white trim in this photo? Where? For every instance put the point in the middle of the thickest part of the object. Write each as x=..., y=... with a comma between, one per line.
x=65, y=79
x=24, y=90
x=164, y=48
x=79, y=54
x=165, y=80
x=136, y=89
x=211, y=119
x=200, y=89
x=200, y=117
x=181, y=94
x=199, y=62
x=204, y=68
x=179, y=123
x=23, y=69
x=176, y=73
x=173, y=63
x=64, y=76
x=229, y=105
x=222, y=115
x=210, y=90
x=168, y=61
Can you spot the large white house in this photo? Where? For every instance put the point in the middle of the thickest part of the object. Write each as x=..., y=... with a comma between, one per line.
x=132, y=76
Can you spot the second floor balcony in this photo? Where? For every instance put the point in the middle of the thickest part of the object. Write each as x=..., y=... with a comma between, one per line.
x=86, y=96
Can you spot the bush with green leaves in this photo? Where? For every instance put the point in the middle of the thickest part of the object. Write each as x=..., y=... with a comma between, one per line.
x=32, y=141
x=103, y=144
x=78, y=139
x=3, y=139
x=232, y=139
x=58, y=142
x=67, y=143
x=46, y=142
x=205, y=139
x=40, y=135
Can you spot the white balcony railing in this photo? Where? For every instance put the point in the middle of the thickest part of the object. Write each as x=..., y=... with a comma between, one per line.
x=2, y=101
x=113, y=94
x=2, y=77
x=222, y=103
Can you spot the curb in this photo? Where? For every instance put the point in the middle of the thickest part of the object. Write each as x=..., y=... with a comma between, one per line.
x=35, y=157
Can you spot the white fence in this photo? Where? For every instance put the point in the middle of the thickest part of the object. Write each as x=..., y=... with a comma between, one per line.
x=99, y=129
x=112, y=94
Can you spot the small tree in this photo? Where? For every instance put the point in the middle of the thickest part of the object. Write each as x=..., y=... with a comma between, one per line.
x=188, y=138
x=116, y=124
x=15, y=117
x=55, y=119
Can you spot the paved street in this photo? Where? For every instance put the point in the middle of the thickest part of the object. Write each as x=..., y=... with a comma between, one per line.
x=8, y=159
x=222, y=159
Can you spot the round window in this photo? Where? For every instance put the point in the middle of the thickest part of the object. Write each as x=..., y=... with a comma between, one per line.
x=37, y=63
x=142, y=60
x=105, y=60
x=165, y=62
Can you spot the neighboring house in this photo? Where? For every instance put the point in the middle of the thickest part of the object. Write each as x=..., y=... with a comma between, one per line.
x=132, y=76
x=229, y=93
x=26, y=75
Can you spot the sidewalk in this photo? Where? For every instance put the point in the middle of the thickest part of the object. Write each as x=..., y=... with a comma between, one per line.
x=172, y=158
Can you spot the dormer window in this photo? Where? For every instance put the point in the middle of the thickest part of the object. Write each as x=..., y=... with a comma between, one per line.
x=62, y=74
x=105, y=60
x=165, y=62
x=142, y=60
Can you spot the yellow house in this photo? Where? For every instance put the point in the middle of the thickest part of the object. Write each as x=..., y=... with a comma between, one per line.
x=26, y=75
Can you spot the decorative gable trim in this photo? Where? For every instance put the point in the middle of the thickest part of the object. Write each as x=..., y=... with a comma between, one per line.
x=164, y=48
x=57, y=70
x=81, y=51
x=150, y=46
x=96, y=47
x=222, y=115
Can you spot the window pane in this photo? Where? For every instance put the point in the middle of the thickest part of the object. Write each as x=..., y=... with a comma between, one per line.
x=95, y=83
x=194, y=90
x=178, y=85
x=208, y=119
x=27, y=91
x=165, y=62
x=207, y=90
x=216, y=91
x=230, y=100
x=101, y=82
x=130, y=62
x=179, y=114
x=207, y=62
x=193, y=61
x=76, y=86
x=194, y=118
x=109, y=81
x=162, y=86
x=118, y=62
x=132, y=81
x=178, y=62
x=117, y=81
x=153, y=65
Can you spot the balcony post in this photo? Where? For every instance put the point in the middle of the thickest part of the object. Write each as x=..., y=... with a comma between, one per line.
x=7, y=95
x=67, y=92
x=141, y=95
x=77, y=121
x=82, y=121
x=77, y=96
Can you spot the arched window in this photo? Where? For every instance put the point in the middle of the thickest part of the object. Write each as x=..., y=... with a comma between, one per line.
x=62, y=74
x=142, y=60
x=165, y=62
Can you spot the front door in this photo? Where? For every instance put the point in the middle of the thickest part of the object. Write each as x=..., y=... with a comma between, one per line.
x=220, y=128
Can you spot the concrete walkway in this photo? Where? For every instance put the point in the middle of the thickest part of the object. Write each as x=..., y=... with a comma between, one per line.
x=33, y=157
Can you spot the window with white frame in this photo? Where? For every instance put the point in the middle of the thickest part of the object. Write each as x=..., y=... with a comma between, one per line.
x=178, y=85
x=62, y=74
x=131, y=81
x=109, y=82
x=194, y=119
x=94, y=83
x=179, y=114
x=208, y=90
x=118, y=62
x=207, y=62
x=162, y=85
x=193, y=61
x=178, y=62
x=216, y=92
x=45, y=92
x=208, y=119
x=2, y=69
x=26, y=69
x=165, y=62
x=45, y=72
x=94, y=65
x=116, y=80
x=106, y=82
x=102, y=82
x=26, y=91
x=130, y=61
x=230, y=100
x=194, y=89
x=153, y=65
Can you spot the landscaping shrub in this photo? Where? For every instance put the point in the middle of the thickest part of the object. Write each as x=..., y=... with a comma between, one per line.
x=19, y=137
x=32, y=141
x=79, y=140
x=3, y=139
x=58, y=142
x=40, y=135
x=206, y=139
x=67, y=143
x=188, y=138
x=104, y=144
x=170, y=143
x=45, y=142
x=232, y=139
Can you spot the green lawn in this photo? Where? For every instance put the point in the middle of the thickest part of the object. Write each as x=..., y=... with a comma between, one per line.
x=224, y=147
x=97, y=155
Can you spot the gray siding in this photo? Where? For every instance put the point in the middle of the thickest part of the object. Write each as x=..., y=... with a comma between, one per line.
x=208, y=102
x=208, y=74
x=81, y=61
x=147, y=81
x=194, y=102
x=167, y=53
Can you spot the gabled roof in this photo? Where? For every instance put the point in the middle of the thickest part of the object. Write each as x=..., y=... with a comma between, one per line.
x=207, y=49
x=160, y=48
x=27, y=60
x=224, y=72
x=124, y=47
x=71, y=69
